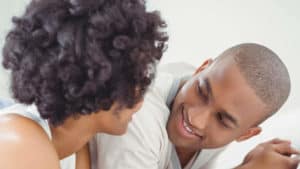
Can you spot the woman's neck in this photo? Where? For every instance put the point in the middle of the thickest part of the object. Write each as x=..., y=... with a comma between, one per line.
x=73, y=134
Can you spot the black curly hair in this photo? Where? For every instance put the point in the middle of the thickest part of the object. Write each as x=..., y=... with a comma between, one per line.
x=75, y=57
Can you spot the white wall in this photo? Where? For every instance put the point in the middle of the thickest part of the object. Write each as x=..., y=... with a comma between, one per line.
x=200, y=29
x=7, y=10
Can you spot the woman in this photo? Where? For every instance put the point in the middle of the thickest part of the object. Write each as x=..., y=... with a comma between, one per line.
x=83, y=66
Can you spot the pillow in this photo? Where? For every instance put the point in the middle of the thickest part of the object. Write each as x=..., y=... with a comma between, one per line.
x=5, y=102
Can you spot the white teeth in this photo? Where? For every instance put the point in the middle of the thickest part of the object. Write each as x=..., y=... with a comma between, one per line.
x=187, y=128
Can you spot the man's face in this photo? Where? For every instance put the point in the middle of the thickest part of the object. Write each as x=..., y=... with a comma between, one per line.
x=213, y=108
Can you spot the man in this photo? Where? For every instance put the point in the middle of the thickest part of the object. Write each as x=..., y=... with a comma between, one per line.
x=225, y=100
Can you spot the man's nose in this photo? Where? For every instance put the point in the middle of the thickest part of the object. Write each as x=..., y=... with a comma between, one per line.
x=199, y=118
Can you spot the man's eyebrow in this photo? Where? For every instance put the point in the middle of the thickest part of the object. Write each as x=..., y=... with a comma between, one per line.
x=211, y=94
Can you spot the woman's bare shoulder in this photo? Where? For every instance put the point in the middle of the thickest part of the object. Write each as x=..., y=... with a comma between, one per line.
x=24, y=144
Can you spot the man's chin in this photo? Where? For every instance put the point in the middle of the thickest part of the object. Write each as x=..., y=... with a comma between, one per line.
x=183, y=145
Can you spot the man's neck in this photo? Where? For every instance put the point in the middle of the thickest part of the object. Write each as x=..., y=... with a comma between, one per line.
x=184, y=155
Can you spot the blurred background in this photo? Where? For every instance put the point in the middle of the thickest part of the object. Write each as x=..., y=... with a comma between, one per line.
x=201, y=29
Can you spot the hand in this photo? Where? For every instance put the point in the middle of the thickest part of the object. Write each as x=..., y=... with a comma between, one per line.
x=274, y=154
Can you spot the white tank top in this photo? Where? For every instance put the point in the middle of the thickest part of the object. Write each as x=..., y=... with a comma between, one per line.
x=31, y=112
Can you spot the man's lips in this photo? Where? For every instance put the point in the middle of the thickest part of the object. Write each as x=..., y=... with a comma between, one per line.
x=186, y=123
x=185, y=127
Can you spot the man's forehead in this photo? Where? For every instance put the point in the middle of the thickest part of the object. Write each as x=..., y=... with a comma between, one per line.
x=232, y=93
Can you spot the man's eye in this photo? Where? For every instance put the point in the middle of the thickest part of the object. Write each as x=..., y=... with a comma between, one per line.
x=199, y=90
x=201, y=94
x=221, y=119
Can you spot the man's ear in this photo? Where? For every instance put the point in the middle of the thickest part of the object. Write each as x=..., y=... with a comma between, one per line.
x=253, y=131
x=204, y=65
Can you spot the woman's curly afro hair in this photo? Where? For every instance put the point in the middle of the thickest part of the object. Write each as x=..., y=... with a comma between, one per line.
x=75, y=57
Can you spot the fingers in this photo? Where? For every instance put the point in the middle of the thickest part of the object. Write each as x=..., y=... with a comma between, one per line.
x=295, y=161
x=278, y=141
x=296, y=152
x=281, y=146
x=285, y=148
